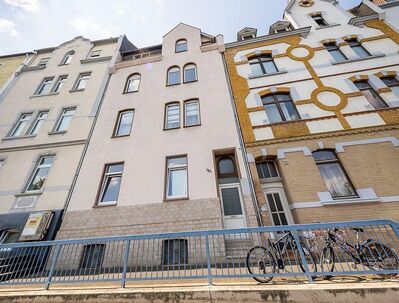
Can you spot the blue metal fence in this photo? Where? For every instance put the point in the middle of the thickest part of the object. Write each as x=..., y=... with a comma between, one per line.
x=307, y=253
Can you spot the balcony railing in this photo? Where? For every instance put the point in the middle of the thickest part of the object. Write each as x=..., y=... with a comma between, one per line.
x=128, y=57
x=305, y=253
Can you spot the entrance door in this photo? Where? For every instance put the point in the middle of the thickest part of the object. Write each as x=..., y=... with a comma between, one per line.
x=233, y=211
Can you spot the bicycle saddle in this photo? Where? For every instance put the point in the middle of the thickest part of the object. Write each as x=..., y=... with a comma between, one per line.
x=358, y=229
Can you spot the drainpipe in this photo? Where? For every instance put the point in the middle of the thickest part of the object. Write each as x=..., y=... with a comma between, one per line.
x=243, y=150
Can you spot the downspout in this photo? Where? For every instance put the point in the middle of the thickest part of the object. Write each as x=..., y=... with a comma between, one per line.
x=243, y=150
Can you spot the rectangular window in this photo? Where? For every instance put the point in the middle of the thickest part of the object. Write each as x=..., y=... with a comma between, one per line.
x=124, y=123
x=40, y=174
x=334, y=176
x=370, y=94
x=176, y=177
x=2, y=161
x=172, y=116
x=65, y=119
x=276, y=209
x=393, y=83
x=174, y=251
x=191, y=113
x=44, y=61
x=267, y=169
x=360, y=51
x=40, y=118
x=111, y=184
x=319, y=20
x=262, y=65
x=335, y=52
x=82, y=81
x=95, y=53
x=92, y=256
x=45, y=86
x=21, y=125
x=59, y=84
x=280, y=107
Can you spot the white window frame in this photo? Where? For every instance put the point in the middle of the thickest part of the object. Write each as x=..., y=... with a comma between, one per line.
x=60, y=81
x=173, y=69
x=180, y=42
x=24, y=117
x=198, y=112
x=67, y=58
x=2, y=162
x=62, y=116
x=175, y=167
x=35, y=170
x=80, y=78
x=95, y=53
x=38, y=119
x=106, y=176
x=46, y=81
x=133, y=78
x=43, y=61
x=187, y=67
x=177, y=104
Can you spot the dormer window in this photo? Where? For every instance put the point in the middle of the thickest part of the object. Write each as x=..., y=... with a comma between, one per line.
x=318, y=18
x=181, y=46
x=247, y=37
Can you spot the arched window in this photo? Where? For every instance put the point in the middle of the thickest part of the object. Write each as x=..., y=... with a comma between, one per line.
x=279, y=107
x=181, y=46
x=370, y=94
x=226, y=167
x=189, y=73
x=173, y=75
x=334, y=175
x=172, y=115
x=133, y=83
x=262, y=65
x=68, y=58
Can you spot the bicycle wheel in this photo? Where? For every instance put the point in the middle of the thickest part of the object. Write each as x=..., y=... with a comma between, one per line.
x=379, y=256
x=260, y=261
x=327, y=260
x=310, y=260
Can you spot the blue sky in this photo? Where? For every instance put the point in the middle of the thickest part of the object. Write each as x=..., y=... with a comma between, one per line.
x=32, y=24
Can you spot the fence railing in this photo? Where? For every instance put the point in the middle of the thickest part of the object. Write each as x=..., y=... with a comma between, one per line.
x=306, y=253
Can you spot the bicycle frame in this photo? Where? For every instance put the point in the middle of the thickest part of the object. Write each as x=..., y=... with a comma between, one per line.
x=274, y=246
x=346, y=247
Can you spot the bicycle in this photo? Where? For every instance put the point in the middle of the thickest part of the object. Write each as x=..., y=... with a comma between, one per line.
x=373, y=254
x=261, y=260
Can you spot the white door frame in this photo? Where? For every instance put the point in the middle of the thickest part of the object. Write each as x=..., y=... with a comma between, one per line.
x=232, y=185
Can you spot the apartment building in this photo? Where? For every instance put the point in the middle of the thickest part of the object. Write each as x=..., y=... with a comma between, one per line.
x=391, y=11
x=317, y=100
x=165, y=153
x=46, y=117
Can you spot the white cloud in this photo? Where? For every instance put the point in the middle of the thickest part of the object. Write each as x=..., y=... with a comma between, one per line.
x=88, y=27
x=27, y=5
x=8, y=27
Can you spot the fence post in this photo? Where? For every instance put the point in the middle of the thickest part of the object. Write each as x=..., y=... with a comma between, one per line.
x=304, y=262
x=395, y=227
x=208, y=258
x=52, y=268
x=125, y=263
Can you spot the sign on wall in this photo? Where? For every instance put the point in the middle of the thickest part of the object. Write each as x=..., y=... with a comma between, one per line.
x=36, y=226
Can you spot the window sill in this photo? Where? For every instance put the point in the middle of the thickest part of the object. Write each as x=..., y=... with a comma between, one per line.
x=125, y=93
x=175, y=199
x=270, y=180
x=120, y=136
x=188, y=126
x=28, y=194
x=268, y=75
x=96, y=59
x=18, y=137
x=186, y=82
x=76, y=90
x=167, y=85
x=44, y=95
x=37, y=67
x=57, y=132
x=358, y=59
x=104, y=205
x=172, y=128
x=327, y=26
x=353, y=200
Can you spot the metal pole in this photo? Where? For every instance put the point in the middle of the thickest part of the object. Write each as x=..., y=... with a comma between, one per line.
x=208, y=257
x=304, y=262
x=125, y=263
x=53, y=263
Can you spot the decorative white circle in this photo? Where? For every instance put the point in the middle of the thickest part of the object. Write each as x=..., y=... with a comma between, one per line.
x=329, y=98
x=300, y=52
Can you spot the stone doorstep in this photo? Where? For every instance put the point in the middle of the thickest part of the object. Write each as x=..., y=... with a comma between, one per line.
x=386, y=292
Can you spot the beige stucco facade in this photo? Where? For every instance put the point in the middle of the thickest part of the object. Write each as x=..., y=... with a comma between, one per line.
x=141, y=206
x=9, y=66
x=333, y=114
x=21, y=151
